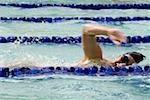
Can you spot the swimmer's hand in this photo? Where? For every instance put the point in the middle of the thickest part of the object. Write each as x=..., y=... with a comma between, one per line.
x=116, y=36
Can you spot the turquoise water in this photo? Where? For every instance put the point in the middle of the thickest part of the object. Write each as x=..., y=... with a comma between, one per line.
x=63, y=87
x=75, y=88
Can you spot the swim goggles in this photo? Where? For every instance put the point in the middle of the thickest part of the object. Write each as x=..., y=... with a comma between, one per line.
x=125, y=59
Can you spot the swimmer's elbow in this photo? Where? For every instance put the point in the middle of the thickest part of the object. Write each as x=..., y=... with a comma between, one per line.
x=87, y=29
x=93, y=29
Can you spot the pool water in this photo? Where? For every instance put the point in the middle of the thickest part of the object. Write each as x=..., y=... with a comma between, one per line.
x=66, y=87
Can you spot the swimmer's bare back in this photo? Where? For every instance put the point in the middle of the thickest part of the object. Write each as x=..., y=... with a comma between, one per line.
x=92, y=51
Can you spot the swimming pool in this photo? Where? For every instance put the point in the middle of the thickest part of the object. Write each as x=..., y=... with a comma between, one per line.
x=68, y=87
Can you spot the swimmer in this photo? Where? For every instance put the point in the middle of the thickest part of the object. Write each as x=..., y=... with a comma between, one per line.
x=93, y=52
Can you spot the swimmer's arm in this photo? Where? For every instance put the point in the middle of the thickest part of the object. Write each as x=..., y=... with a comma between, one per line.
x=90, y=47
x=94, y=29
x=115, y=34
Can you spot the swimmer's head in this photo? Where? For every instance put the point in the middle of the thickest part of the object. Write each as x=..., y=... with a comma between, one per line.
x=138, y=57
x=129, y=59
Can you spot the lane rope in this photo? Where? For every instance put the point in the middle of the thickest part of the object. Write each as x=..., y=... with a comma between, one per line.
x=60, y=19
x=91, y=71
x=67, y=39
x=82, y=6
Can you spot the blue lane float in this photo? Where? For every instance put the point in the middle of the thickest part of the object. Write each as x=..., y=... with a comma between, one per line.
x=4, y=72
x=60, y=19
x=90, y=71
x=67, y=39
x=83, y=6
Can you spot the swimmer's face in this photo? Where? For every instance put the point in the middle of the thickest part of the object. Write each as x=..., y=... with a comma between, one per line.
x=124, y=60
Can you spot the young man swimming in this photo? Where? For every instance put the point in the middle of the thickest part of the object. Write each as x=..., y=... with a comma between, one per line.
x=93, y=52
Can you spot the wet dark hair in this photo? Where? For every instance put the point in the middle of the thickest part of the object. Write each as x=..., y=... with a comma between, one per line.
x=138, y=57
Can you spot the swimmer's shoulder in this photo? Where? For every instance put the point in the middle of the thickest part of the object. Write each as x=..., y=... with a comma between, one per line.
x=92, y=62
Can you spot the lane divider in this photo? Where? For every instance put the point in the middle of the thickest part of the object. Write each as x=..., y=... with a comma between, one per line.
x=83, y=6
x=60, y=19
x=91, y=71
x=67, y=39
